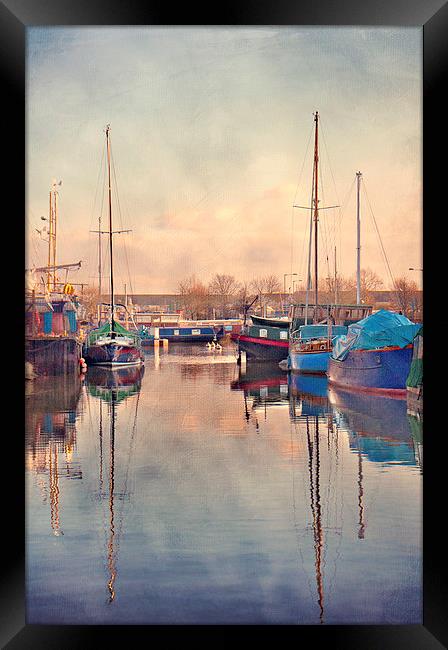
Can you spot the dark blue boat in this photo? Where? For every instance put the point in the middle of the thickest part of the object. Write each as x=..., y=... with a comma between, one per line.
x=190, y=334
x=375, y=355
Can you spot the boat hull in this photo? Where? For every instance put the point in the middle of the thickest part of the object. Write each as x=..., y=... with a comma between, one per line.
x=262, y=349
x=382, y=371
x=185, y=335
x=113, y=355
x=315, y=363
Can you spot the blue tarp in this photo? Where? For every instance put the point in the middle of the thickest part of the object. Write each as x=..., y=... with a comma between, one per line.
x=380, y=330
x=319, y=331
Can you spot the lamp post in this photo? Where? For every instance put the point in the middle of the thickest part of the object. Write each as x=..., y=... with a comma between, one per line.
x=285, y=275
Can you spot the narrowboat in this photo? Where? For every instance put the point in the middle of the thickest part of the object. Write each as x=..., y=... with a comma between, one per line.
x=375, y=355
x=181, y=334
x=262, y=342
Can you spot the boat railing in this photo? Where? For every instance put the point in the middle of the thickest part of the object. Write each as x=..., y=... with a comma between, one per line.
x=94, y=336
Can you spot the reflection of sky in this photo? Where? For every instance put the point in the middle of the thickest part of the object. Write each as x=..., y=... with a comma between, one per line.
x=213, y=516
x=210, y=128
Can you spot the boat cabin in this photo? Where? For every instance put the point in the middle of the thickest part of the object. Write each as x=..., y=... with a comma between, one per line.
x=341, y=314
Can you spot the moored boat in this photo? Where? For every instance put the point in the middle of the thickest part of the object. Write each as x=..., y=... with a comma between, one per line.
x=262, y=343
x=375, y=355
x=112, y=344
x=310, y=350
x=182, y=334
x=310, y=354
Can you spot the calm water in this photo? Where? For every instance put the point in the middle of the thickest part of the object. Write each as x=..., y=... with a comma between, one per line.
x=191, y=493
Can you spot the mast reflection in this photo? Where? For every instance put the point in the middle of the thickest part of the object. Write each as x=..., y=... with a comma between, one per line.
x=114, y=387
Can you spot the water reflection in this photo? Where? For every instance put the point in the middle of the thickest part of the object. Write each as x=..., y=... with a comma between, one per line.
x=50, y=418
x=376, y=429
x=212, y=495
x=113, y=387
x=378, y=426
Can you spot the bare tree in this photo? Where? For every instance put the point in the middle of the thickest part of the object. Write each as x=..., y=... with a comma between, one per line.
x=194, y=297
x=223, y=288
x=268, y=288
x=89, y=302
x=408, y=297
x=370, y=282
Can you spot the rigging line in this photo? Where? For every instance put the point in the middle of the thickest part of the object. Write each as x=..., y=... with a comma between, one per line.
x=294, y=201
x=340, y=214
x=324, y=228
x=121, y=223
x=379, y=238
x=103, y=184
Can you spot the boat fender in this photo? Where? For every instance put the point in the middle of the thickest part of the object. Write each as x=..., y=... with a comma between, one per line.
x=322, y=347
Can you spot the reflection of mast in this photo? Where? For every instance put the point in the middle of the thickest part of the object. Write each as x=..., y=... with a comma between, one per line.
x=101, y=447
x=316, y=510
x=362, y=526
x=54, y=490
x=115, y=522
x=110, y=546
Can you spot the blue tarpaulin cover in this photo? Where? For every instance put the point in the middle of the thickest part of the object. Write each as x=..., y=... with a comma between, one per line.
x=380, y=330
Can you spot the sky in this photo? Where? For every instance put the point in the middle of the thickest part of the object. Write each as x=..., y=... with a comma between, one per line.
x=212, y=144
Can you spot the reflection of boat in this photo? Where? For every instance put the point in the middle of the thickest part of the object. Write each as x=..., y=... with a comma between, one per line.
x=118, y=383
x=378, y=427
x=114, y=386
x=375, y=355
x=257, y=375
x=265, y=383
x=51, y=414
x=112, y=344
x=309, y=392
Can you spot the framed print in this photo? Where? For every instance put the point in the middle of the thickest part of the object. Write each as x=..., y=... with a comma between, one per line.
x=223, y=403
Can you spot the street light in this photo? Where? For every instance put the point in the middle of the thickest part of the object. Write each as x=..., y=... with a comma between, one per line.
x=285, y=275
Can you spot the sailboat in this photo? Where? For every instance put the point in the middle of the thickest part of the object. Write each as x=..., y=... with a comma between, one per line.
x=112, y=344
x=310, y=345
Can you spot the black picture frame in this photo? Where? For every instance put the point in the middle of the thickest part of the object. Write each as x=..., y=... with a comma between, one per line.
x=432, y=15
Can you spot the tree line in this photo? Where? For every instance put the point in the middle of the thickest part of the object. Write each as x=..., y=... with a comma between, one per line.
x=224, y=296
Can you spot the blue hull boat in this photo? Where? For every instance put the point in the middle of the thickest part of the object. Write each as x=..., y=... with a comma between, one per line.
x=375, y=356
x=379, y=371
x=309, y=362
x=310, y=352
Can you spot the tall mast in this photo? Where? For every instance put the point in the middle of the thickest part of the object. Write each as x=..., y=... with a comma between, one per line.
x=52, y=218
x=110, y=232
x=358, y=243
x=100, y=270
x=335, y=279
x=316, y=211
